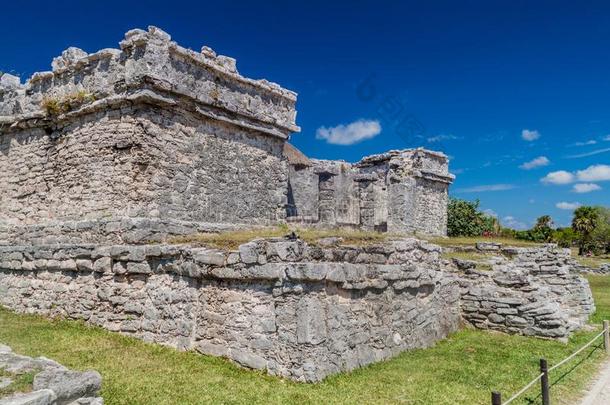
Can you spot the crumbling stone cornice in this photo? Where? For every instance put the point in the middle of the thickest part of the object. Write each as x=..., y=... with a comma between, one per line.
x=150, y=68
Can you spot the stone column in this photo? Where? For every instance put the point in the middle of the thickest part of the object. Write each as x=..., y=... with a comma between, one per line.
x=327, y=205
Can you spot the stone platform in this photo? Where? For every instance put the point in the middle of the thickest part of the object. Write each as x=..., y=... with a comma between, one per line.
x=296, y=310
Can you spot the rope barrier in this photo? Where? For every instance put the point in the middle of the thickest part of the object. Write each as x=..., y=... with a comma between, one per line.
x=545, y=372
x=562, y=362
x=511, y=399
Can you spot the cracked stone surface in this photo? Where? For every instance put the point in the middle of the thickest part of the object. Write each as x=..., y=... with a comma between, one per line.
x=53, y=383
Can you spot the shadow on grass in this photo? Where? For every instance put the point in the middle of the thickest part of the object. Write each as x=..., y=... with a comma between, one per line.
x=538, y=398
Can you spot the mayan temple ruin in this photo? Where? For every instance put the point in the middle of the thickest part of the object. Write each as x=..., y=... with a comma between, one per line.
x=109, y=156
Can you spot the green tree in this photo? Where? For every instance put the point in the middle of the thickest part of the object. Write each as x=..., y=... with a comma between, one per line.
x=465, y=219
x=584, y=223
x=565, y=237
x=600, y=237
x=544, y=221
x=543, y=230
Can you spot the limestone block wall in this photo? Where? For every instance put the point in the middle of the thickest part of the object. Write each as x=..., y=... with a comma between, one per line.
x=158, y=131
x=111, y=230
x=142, y=162
x=399, y=191
x=155, y=130
x=296, y=310
x=528, y=291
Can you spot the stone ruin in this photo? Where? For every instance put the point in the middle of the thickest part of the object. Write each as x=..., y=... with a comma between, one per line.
x=161, y=132
x=52, y=383
x=111, y=154
x=398, y=192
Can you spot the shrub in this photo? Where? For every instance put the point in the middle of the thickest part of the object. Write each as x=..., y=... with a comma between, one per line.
x=565, y=237
x=465, y=219
x=541, y=232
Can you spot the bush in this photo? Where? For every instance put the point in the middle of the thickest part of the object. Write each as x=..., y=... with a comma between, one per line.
x=565, y=237
x=465, y=219
x=507, y=233
x=541, y=232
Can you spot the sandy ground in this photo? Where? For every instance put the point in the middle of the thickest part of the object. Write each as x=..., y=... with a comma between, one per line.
x=599, y=393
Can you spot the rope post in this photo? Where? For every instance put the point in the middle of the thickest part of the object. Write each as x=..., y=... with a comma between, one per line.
x=496, y=398
x=544, y=382
x=607, y=336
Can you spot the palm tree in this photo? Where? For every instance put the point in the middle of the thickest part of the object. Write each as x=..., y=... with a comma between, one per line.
x=544, y=221
x=543, y=227
x=584, y=223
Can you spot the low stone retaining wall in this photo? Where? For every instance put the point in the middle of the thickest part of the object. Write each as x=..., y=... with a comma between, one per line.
x=53, y=383
x=296, y=310
x=528, y=291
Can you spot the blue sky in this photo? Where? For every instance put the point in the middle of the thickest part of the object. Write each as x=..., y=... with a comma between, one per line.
x=495, y=85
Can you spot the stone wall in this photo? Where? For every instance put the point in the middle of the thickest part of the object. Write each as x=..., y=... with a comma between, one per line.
x=53, y=383
x=113, y=230
x=399, y=192
x=154, y=130
x=151, y=130
x=528, y=291
x=296, y=310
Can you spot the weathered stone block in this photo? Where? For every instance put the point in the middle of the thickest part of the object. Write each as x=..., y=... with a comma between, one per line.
x=138, y=268
x=103, y=265
x=311, y=327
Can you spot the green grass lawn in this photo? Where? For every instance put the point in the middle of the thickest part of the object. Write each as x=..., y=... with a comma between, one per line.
x=600, y=286
x=591, y=261
x=462, y=369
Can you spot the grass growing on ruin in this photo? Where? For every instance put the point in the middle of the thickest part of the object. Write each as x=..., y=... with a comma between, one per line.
x=480, y=258
x=471, y=241
x=20, y=383
x=462, y=369
x=54, y=106
x=231, y=240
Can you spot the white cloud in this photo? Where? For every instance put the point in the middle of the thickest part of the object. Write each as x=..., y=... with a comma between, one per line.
x=567, y=205
x=540, y=161
x=606, y=138
x=558, y=177
x=487, y=187
x=350, y=134
x=491, y=212
x=592, y=153
x=529, y=136
x=512, y=222
x=442, y=137
x=585, y=143
x=585, y=187
x=594, y=173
